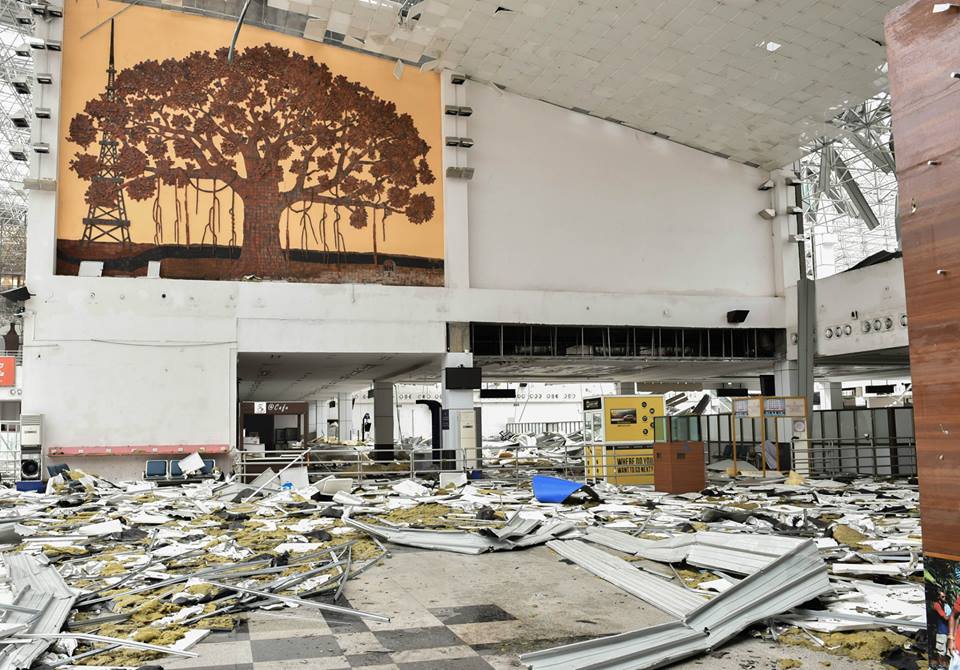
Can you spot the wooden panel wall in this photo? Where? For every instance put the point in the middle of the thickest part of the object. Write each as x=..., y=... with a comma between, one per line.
x=924, y=48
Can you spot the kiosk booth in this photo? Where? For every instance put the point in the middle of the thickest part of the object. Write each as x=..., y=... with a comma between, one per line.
x=618, y=437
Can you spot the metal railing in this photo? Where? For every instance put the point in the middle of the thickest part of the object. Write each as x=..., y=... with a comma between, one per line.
x=562, y=427
x=358, y=464
x=869, y=457
x=874, y=457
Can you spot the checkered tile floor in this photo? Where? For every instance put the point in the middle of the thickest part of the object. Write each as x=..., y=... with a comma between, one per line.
x=289, y=639
x=446, y=611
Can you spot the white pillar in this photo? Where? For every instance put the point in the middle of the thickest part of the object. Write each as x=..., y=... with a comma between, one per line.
x=454, y=401
x=833, y=395
x=383, y=420
x=345, y=415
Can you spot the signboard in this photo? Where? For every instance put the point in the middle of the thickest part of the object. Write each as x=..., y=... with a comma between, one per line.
x=775, y=407
x=591, y=404
x=787, y=406
x=8, y=371
x=746, y=407
x=273, y=407
x=796, y=407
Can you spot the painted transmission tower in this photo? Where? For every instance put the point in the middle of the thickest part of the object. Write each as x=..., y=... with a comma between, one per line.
x=108, y=220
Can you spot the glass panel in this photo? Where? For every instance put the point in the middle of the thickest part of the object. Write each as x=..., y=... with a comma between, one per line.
x=660, y=429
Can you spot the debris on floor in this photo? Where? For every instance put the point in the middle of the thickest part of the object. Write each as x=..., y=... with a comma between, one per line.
x=128, y=572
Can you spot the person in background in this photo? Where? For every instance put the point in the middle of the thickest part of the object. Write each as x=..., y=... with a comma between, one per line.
x=945, y=624
x=366, y=424
x=953, y=642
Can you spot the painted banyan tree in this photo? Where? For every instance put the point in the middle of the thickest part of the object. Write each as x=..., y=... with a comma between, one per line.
x=275, y=129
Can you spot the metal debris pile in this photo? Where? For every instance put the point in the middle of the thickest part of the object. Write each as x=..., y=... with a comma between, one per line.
x=123, y=573
x=97, y=573
x=534, y=450
x=832, y=559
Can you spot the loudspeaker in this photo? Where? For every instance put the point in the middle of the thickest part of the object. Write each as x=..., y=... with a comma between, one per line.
x=737, y=315
x=29, y=465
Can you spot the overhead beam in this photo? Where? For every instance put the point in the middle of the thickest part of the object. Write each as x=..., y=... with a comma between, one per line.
x=849, y=184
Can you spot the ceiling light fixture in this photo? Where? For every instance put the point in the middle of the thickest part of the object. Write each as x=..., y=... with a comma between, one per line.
x=45, y=10
x=940, y=7
x=465, y=142
x=31, y=184
x=773, y=46
x=460, y=173
x=768, y=214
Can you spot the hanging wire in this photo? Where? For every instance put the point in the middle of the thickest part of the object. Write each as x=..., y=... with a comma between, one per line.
x=178, y=217
x=186, y=211
x=233, y=218
x=213, y=215
x=157, y=217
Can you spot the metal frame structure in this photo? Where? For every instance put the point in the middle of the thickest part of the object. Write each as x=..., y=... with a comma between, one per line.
x=13, y=197
x=850, y=190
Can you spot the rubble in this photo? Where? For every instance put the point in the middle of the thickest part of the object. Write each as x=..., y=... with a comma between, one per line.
x=143, y=564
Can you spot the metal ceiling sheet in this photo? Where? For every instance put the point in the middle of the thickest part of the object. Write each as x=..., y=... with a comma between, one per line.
x=789, y=581
x=668, y=596
x=39, y=587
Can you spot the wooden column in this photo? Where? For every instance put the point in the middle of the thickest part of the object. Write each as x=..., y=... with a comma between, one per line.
x=924, y=49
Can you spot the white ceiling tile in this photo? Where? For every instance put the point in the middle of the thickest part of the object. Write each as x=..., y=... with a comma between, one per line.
x=697, y=70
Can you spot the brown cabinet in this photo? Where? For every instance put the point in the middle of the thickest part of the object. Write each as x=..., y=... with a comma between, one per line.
x=678, y=467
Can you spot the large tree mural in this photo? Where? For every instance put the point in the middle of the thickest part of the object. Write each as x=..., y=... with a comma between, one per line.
x=274, y=128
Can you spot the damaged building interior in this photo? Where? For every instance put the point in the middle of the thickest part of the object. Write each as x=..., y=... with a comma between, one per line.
x=480, y=334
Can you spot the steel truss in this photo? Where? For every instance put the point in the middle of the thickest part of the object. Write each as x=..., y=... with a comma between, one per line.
x=850, y=190
x=14, y=137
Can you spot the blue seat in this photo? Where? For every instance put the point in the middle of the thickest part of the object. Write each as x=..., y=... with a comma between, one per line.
x=175, y=470
x=155, y=470
x=208, y=466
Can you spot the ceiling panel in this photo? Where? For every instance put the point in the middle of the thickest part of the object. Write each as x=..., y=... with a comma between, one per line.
x=751, y=79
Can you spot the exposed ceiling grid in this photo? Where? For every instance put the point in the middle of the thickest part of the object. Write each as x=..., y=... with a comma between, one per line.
x=698, y=71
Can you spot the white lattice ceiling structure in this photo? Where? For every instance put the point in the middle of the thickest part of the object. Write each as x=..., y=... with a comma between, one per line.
x=750, y=79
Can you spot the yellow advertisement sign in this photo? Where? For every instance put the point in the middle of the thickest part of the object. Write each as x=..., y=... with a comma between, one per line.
x=629, y=419
x=621, y=466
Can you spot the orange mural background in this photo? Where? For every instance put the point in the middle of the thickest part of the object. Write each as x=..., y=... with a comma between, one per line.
x=143, y=34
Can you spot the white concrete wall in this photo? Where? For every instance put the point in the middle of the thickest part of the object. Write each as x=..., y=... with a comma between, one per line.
x=564, y=201
x=538, y=237
x=872, y=293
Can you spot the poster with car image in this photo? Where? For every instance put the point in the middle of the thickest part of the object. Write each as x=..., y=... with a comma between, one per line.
x=624, y=416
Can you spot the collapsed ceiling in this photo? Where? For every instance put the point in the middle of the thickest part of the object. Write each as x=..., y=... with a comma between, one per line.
x=753, y=80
